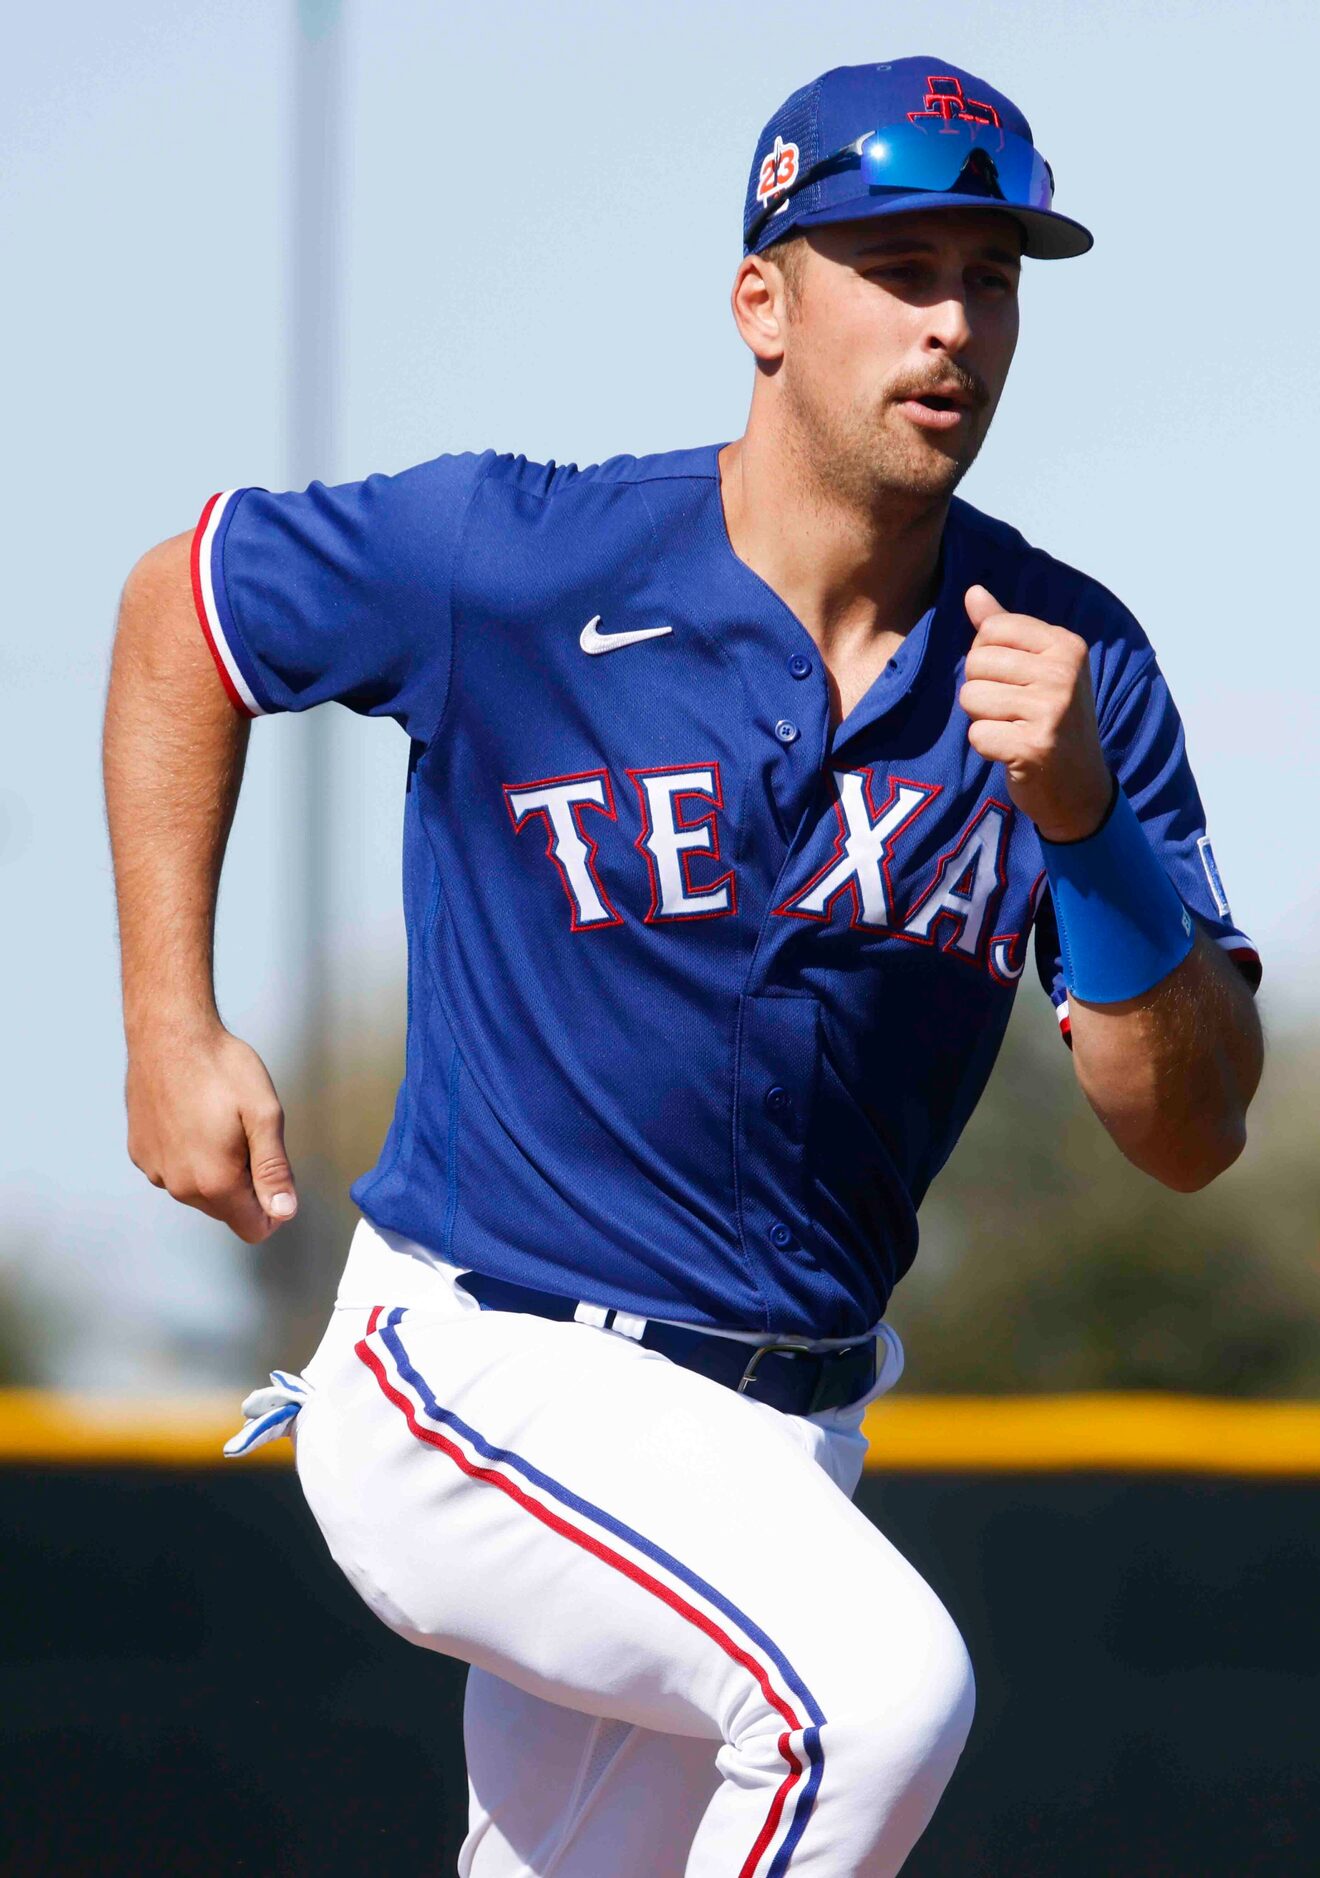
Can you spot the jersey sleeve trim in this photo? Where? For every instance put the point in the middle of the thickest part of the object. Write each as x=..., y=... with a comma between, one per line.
x=1243, y=954
x=212, y=605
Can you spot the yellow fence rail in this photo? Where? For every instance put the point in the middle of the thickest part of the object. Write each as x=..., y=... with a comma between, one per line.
x=912, y=1434
x=1096, y=1433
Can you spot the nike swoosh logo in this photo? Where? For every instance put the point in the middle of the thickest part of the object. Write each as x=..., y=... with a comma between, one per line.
x=593, y=640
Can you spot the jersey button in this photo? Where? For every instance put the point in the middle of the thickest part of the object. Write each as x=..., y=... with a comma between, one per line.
x=780, y=1235
x=799, y=666
x=776, y=1100
x=786, y=732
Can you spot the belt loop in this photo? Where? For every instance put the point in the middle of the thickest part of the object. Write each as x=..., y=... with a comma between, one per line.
x=818, y=1391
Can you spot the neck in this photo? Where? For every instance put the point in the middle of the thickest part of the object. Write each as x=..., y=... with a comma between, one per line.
x=858, y=573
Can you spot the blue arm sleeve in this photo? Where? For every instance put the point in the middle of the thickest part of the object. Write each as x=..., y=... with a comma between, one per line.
x=337, y=593
x=1143, y=739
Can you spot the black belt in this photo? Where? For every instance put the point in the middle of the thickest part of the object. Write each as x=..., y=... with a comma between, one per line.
x=786, y=1375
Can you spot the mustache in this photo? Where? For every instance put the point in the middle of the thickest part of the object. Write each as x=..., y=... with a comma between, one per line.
x=949, y=380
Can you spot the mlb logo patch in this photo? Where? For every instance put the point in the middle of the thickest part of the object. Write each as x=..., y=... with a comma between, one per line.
x=778, y=170
x=1215, y=884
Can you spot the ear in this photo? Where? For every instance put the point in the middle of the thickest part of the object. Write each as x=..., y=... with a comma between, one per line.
x=760, y=307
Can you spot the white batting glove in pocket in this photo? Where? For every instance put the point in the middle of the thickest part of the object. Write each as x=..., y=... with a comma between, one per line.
x=270, y=1413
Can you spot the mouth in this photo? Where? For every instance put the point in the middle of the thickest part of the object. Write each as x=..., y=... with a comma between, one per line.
x=937, y=410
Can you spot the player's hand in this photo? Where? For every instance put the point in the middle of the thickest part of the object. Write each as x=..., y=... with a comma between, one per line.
x=1028, y=694
x=205, y=1123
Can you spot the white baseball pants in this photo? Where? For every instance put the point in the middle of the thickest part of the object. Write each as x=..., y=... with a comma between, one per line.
x=692, y=1657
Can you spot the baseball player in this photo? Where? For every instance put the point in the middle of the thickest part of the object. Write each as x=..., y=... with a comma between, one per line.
x=739, y=779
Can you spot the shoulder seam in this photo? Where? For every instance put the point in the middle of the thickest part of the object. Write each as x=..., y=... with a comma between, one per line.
x=673, y=476
x=627, y=482
x=637, y=476
x=459, y=546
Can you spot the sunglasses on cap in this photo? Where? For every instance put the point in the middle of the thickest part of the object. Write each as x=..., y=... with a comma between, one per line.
x=988, y=161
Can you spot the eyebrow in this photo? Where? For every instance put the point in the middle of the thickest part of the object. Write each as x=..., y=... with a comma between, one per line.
x=900, y=245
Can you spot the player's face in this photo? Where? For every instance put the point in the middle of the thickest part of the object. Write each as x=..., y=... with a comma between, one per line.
x=898, y=347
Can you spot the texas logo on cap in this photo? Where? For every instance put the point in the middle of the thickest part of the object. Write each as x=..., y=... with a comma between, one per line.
x=944, y=100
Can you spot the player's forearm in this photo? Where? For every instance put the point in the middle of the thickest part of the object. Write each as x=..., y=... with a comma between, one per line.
x=1171, y=1074
x=173, y=760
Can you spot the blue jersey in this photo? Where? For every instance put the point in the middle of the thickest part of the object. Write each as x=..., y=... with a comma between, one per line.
x=701, y=990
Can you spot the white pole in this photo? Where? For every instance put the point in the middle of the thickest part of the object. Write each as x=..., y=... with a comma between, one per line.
x=314, y=365
x=315, y=239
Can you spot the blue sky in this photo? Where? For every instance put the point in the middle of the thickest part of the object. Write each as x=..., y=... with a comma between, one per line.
x=540, y=226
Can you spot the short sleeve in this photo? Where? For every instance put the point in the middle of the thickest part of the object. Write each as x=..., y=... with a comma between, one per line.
x=337, y=593
x=1143, y=739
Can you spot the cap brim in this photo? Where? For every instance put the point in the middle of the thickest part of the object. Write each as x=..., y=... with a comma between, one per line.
x=1048, y=236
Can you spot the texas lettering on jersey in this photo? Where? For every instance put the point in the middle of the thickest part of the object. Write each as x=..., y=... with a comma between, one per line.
x=956, y=908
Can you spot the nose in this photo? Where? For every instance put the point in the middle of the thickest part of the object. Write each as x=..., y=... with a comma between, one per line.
x=948, y=329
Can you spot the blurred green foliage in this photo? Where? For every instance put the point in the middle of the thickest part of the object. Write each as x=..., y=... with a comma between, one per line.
x=1047, y=1262
x=28, y=1322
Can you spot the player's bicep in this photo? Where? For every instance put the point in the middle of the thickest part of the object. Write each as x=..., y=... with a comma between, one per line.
x=336, y=593
x=156, y=643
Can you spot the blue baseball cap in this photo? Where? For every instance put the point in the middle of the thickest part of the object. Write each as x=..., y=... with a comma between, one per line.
x=915, y=134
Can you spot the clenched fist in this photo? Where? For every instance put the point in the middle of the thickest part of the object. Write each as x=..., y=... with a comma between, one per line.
x=1028, y=694
x=205, y=1123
